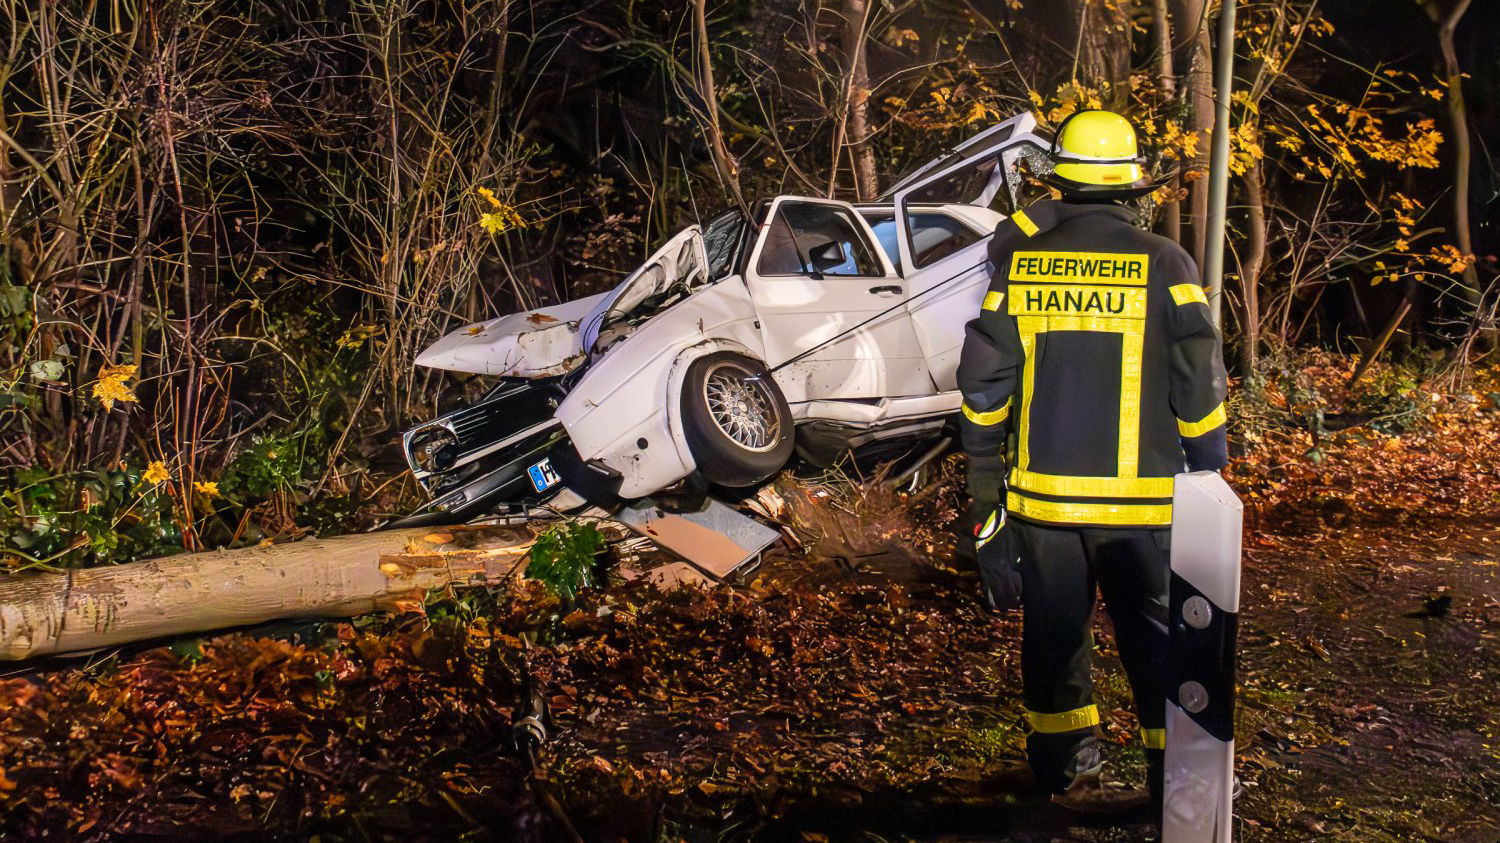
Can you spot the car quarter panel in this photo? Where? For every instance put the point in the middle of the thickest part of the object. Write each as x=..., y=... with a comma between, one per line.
x=626, y=395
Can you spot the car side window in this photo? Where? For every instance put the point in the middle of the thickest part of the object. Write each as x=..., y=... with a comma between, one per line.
x=884, y=226
x=936, y=236
x=808, y=238
x=933, y=237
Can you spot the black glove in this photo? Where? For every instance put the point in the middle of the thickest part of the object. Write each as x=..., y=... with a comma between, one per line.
x=999, y=562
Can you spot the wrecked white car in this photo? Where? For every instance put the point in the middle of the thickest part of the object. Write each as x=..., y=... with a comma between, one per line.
x=808, y=326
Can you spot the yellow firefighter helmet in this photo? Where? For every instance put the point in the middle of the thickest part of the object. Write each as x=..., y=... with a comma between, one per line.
x=1094, y=152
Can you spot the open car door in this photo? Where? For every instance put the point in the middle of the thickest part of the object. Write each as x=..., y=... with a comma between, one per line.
x=814, y=273
x=985, y=172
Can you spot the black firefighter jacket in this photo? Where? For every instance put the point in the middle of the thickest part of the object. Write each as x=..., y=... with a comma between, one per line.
x=1095, y=342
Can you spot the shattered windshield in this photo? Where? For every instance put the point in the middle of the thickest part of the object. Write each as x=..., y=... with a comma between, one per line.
x=721, y=240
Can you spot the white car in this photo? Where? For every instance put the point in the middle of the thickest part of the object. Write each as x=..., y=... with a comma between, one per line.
x=810, y=325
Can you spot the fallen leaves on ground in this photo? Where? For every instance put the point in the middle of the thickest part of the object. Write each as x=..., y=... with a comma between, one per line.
x=1441, y=459
x=854, y=678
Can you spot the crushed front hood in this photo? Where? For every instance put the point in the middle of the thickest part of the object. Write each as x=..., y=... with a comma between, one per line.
x=541, y=343
x=548, y=342
x=680, y=260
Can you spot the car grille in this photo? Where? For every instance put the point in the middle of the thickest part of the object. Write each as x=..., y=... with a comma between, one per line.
x=503, y=414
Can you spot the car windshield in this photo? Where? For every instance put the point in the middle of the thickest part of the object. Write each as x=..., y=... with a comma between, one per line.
x=721, y=240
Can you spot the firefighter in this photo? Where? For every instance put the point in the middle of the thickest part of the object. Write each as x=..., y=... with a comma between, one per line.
x=1091, y=377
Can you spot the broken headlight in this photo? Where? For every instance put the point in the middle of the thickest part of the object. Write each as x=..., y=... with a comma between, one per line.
x=433, y=449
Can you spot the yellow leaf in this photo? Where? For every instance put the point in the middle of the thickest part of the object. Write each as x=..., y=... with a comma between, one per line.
x=897, y=37
x=502, y=219
x=111, y=386
x=489, y=196
x=156, y=473
x=357, y=336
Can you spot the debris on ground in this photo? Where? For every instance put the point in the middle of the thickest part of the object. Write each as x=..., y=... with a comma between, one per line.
x=852, y=685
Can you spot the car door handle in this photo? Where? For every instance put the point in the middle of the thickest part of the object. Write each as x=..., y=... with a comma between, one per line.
x=884, y=289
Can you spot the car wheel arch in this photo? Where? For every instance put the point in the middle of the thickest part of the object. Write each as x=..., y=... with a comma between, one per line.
x=675, y=380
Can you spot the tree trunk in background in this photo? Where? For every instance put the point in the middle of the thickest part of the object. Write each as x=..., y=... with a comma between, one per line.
x=723, y=161
x=497, y=75
x=1161, y=34
x=1254, y=261
x=1098, y=34
x=1195, y=60
x=1166, y=83
x=1458, y=116
x=856, y=35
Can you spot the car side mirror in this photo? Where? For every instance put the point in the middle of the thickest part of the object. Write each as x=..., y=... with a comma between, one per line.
x=827, y=256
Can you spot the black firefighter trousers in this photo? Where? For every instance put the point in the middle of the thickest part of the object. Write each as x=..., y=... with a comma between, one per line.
x=1060, y=570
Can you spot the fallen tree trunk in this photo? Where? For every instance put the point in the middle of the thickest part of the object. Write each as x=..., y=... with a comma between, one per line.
x=77, y=611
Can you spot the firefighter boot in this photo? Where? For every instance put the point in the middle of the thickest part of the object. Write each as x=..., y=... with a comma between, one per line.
x=1089, y=793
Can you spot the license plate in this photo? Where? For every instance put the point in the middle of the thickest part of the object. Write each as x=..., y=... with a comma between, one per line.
x=543, y=477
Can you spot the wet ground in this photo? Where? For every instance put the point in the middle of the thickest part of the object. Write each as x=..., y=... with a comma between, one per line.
x=1368, y=709
x=1372, y=678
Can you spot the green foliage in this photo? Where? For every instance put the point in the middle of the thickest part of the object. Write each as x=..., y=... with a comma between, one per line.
x=563, y=558
x=74, y=519
x=189, y=649
x=15, y=303
x=1392, y=397
x=1310, y=390
x=275, y=463
x=327, y=515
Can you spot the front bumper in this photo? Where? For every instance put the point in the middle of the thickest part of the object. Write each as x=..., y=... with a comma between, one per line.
x=500, y=483
x=502, y=486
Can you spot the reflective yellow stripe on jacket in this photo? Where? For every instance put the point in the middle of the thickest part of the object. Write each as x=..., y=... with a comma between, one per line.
x=1092, y=487
x=1104, y=307
x=1187, y=294
x=985, y=419
x=1212, y=421
x=1078, y=512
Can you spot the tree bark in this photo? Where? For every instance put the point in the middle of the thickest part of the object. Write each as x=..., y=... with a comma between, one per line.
x=1254, y=262
x=77, y=611
x=857, y=96
x=723, y=161
x=1166, y=84
x=1099, y=35
x=1458, y=116
x=1381, y=342
x=1195, y=60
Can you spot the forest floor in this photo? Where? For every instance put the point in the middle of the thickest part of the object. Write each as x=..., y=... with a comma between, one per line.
x=852, y=689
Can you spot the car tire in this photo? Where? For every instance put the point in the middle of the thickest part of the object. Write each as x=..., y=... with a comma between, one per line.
x=735, y=419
